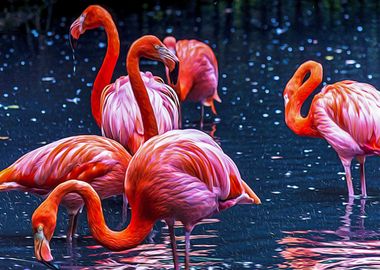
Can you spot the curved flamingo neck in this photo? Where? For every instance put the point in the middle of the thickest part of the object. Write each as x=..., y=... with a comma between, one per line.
x=134, y=234
x=140, y=92
x=302, y=125
x=104, y=76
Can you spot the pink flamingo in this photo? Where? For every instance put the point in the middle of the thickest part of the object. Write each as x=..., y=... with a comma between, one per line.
x=96, y=160
x=198, y=72
x=346, y=114
x=118, y=108
x=180, y=175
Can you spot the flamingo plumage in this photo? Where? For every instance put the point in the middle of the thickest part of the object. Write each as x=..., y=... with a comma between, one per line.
x=198, y=72
x=180, y=175
x=118, y=108
x=346, y=114
x=96, y=160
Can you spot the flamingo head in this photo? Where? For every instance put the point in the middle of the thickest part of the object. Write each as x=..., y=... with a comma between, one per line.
x=92, y=17
x=151, y=47
x=44, y=221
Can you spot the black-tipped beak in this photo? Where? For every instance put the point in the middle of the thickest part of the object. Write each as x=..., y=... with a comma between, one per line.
x=50, y=265
x=173, y=75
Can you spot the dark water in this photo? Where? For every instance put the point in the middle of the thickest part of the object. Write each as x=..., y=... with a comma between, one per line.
x=306, y=220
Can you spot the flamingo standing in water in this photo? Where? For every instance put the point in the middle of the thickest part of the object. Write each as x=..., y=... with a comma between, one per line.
x=346, y=114
x=118, y=108
x=180, y=175
x=198, y=72
x=98, y=161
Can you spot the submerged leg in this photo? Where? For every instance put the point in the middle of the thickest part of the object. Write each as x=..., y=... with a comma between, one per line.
x=347, y=169
x=362, y=176
x=173, y=243
x=124, y=210
x=187, y=248
x=73, y=222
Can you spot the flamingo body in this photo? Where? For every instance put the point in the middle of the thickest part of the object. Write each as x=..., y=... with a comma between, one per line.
x=198, y=71
x=346, y=114
x=99, y=161
x=121, y=117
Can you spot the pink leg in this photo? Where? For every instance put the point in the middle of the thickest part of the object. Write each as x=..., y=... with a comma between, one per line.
x=173, y=244
x=347, y=169
x=362, y=176
x=202, y=115
x=73, y=221
x=187, y=249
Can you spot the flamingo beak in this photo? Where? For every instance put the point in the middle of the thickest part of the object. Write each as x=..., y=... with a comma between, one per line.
x=42, y=250
x=76, y=28
x=171, y=61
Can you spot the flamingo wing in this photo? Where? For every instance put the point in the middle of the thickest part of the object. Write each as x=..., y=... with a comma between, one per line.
x=88, y=158
x=347, y=114
x=121, y=117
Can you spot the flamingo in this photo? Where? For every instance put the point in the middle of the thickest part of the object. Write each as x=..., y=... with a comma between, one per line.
x=198, y=72
x=346, y=114
x=98, y=161
x=118, y=108
x=179, y=175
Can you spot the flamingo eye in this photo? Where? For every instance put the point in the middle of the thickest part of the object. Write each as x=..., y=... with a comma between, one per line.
x=156, y=47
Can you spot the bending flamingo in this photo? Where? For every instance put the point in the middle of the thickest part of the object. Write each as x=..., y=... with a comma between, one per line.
x=179, y=175
x=346, y=114
x=118, y=108
x=96, y=160
x=198, y=72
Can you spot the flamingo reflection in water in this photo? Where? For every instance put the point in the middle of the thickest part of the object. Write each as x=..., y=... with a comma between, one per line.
x=313, y=249
x=152, y=255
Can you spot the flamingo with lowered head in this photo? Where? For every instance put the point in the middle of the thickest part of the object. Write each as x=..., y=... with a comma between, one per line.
x=118, y=108
x=198, y=72
x=180, y=175
x=98, y=161
x=346, y=114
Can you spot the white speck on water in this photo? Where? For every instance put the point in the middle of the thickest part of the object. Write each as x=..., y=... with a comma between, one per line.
x=47, y=79
x=369, y=76
x=293, y=187
x=350, y=62
x=308, y=150
x=288, y=173
x=33, y=119
x=265, y=115
x=359, y=28
x=73, y=100
x=311, y=188
x=101, y=45
x=276, y=192
x=278, y=111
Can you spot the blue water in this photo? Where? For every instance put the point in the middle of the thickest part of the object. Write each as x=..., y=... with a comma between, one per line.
x=305, y=221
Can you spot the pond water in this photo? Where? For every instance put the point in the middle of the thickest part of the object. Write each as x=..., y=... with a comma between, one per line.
x=305, y=221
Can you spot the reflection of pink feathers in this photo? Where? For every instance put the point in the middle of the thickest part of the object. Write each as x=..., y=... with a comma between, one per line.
x=121, y=117
x=198, y=71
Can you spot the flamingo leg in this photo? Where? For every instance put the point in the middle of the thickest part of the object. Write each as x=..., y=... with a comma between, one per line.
x=187, y=249
x=73, y=222
x=347, y=170
x=362, y=176
x=202, y=116
x=173, y=244
x=124, y=210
